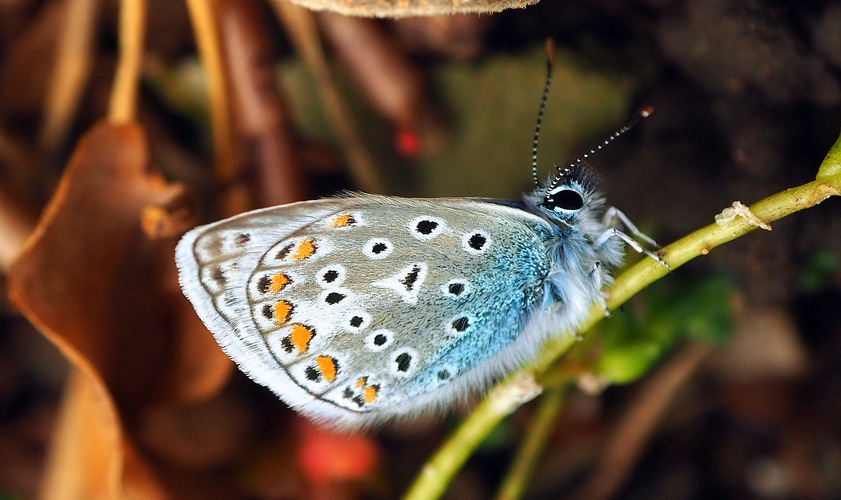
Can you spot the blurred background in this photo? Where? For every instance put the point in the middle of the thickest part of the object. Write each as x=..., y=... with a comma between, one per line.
x=722, y=380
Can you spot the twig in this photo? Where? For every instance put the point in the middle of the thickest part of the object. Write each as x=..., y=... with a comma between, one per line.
x=270, y=152
x=503, y=399
x=301, y=27
x=74, y=60
x=202, y=15
x=522, y=467
x=440, y=469
x=628, y=440
x=127, y=78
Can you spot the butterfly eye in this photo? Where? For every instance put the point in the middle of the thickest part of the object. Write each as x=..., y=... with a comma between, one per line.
x=565, y=200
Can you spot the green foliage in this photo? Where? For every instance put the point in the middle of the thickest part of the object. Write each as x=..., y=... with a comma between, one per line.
x=491, y=108
x=634, y=340
x=820, y=270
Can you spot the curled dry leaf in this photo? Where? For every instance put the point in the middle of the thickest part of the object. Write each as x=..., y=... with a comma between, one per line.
x=406, y=8
x=106, y=294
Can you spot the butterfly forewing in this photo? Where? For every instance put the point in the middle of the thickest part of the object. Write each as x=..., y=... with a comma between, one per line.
x=367, y=305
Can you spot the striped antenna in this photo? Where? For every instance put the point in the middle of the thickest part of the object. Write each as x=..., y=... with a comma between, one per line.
x=643, y=112
x=550, y=62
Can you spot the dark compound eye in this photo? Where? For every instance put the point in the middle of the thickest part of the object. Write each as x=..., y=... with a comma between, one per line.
x=566, y=199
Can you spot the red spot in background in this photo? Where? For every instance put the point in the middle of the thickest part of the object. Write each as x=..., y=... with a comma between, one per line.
x=327, y=456
x=407, y=142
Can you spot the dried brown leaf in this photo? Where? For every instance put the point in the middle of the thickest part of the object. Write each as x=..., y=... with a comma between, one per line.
x=106, y=294
x=90, y=458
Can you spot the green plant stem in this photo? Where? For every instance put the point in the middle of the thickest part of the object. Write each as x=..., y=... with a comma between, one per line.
x=439, y=470
x=522, y=467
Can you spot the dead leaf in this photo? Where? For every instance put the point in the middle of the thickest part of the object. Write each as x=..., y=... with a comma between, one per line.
x=106, y=294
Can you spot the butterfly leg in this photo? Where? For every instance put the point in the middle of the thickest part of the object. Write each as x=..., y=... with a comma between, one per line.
x=597, y=282
x=612, y=217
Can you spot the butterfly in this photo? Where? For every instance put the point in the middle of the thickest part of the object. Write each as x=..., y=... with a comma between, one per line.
x=361, y=308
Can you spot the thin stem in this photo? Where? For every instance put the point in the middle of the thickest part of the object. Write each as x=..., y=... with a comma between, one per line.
x=445, y=463
x=628, y=440
x=537, y=433
x=74, y=63
x=301, y=27
x=203, y=17
x=126, y=80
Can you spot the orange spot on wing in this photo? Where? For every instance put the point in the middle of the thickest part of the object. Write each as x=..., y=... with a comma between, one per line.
x=327, y=367
x=361, y=382
x=370, y=394
x=279, y=281
x=343, y=221
x=281, y=311
x=305, y=249
x=301, y=337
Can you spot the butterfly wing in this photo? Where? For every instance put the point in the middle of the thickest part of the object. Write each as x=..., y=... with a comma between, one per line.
x=215, y=262
x=360, y=308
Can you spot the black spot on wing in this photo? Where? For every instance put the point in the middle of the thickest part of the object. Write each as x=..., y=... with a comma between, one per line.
x=411, y=278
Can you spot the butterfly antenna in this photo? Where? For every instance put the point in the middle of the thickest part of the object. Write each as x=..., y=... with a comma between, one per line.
x=550, y=62
x=641, y=113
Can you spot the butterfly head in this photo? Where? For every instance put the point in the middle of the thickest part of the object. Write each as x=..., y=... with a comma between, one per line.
x=567, y=199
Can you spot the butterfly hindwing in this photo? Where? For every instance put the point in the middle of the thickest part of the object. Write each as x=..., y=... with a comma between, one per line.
x=364, y=307
x=215, y=262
